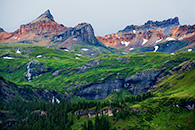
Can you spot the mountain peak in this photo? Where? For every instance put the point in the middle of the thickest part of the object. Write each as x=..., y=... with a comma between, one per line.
x=1, y=30
x=46, y=16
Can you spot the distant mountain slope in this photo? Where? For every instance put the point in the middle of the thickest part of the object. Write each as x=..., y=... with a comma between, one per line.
x=149, y=34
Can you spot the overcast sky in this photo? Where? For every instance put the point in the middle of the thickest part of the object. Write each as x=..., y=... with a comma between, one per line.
x=106, y=16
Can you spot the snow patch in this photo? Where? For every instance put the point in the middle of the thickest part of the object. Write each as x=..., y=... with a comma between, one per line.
x=144, y=41
x=77, y=58
x=7, y=57
x=66, y=50
x=18, y=51
x=79, y=55
x=125, y=43
x=57, y=100
x=189, y=50
x=155, y=48
x=131, y=49
x=159, y=40
x=134, y=31
x=84, y=49
x=170, y=39
x=39, y=56
x=172, y=53
x=92, y=54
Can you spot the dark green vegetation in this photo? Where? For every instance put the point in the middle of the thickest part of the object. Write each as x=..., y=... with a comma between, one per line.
x=168, y=104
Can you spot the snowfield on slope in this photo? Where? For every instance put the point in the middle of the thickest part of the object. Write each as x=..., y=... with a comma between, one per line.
x=155, y=48
x=170, y=39
x=125, y=43
x=144, y=41
x=159, y=40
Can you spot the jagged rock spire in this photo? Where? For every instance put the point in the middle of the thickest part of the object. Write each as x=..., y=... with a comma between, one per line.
x=1, y=30
x=46, y=16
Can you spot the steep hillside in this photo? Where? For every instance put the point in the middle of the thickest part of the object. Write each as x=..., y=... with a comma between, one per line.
x=52, y=68
x=150, y=34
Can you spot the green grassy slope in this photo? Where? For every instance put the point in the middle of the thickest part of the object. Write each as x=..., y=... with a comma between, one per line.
x=158, y=111
x=70, y=76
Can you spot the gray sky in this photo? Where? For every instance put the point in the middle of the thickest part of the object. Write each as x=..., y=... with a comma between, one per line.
x=106, y=16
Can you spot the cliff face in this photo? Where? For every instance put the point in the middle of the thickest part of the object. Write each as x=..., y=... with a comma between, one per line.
x=135, y=84
x=140, y=82
x=149, y=34
x=82, y=33
x=99, y=91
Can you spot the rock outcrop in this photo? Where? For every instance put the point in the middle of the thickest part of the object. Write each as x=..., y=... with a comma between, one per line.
x=135, y=84
x=142, y=81
x=82, y=33
x=10, y=91
x=153, y=24
x=34, y=69
x=101, y=90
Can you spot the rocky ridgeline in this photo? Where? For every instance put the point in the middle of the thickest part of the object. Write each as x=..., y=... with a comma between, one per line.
x=83, y=34
x=152, y=24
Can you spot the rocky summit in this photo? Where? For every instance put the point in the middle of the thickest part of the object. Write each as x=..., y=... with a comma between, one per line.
x=45, y=31
x=82, y=33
